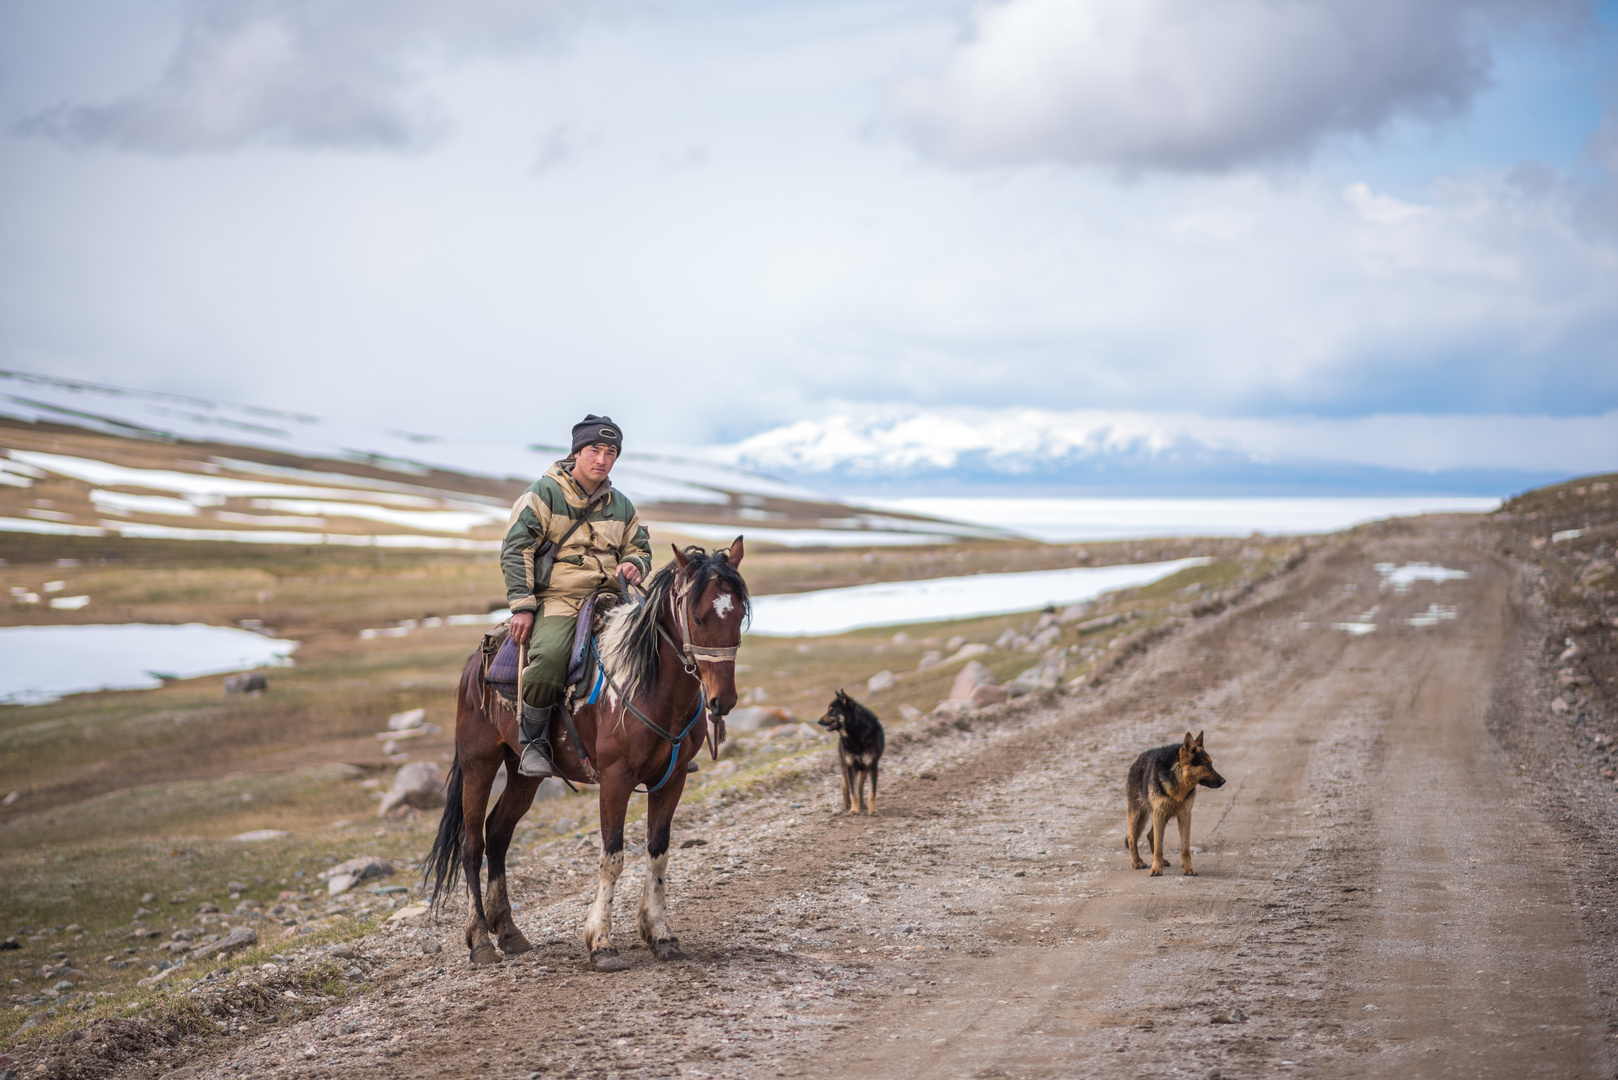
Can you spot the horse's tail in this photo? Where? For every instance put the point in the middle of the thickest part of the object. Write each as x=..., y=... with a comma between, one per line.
x=443, y=863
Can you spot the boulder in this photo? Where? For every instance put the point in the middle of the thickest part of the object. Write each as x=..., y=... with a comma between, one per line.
x=238, y=939
x=987, y=694
x=1043, y=640
x=882, y=680
x=248, y=682
x=1043, y=676
x=950, y=707
x=417, y=784
x=404, y=721
x=972, y=675
x=346, y=875
x=909, y=712
x=259, y=835
x=1101, y=623
x=757, y=718
x=967, y=651
x=930, y=659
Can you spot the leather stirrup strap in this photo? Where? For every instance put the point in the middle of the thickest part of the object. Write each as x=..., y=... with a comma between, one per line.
x=572, y=730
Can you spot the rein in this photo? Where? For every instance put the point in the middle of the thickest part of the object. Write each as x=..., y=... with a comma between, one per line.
x=672, y=739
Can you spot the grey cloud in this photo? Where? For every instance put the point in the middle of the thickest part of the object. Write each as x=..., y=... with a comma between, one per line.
x=313, y=74
x=1599, y=210
x=1198, y=85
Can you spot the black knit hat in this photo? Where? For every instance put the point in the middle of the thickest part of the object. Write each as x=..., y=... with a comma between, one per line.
x=596, y=429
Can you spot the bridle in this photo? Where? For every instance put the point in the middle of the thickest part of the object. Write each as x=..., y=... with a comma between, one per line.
x=689, y=652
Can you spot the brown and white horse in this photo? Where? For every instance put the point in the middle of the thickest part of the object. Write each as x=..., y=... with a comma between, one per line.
x=670, y=666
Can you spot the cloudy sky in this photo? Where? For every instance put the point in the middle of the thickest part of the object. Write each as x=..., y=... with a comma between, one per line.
x=1374, y=219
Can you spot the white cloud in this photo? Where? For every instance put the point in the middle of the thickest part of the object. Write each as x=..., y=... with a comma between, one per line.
x=1195, y=84
x=306, y=73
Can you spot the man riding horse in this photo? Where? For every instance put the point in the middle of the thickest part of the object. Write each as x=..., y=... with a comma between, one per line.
x=571, y=534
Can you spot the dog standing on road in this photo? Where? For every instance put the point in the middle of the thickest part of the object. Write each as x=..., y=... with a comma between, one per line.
x=1163, y=783
x=859, y=749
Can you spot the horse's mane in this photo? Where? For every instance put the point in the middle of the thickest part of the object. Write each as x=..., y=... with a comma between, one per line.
x=629, y=643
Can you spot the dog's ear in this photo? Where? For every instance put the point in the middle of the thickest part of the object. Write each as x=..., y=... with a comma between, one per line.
x=1199, y=740
x=1188, y=744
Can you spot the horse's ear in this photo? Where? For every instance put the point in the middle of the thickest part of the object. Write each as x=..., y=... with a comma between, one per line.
x=680, y=556
x=735, y=554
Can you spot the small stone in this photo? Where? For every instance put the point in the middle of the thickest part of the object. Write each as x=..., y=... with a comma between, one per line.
x=882, y=680
x=207, y=909
x=239, y=938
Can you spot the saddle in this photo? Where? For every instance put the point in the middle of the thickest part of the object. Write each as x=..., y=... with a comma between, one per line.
x=502, y=666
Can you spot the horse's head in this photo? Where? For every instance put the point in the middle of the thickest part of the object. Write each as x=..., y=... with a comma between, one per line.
x=712, y=601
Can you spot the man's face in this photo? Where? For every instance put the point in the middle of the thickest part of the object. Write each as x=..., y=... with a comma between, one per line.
x=592, y=463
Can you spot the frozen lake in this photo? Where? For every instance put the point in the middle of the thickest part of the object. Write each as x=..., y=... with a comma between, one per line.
x=1069, y=520
x=39, y=664
x=896, y=603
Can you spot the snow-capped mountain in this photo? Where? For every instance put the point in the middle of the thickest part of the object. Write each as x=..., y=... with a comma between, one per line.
x=917, y=451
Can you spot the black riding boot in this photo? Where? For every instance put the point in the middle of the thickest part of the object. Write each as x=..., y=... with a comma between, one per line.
x=534, y=732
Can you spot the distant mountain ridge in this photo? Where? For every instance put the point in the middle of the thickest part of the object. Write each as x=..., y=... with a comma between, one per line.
x=85, y=459
x=1035, y=452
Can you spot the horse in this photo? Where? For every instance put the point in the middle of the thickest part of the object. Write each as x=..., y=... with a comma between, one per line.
x=667, y=678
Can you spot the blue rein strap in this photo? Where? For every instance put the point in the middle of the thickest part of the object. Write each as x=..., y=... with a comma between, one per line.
x=674, y=740
x=674, y=747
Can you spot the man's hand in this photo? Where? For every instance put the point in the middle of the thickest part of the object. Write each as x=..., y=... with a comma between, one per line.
x=522, y=628
x=629, y=572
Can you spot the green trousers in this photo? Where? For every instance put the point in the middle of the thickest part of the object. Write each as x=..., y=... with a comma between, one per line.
x=544, y=680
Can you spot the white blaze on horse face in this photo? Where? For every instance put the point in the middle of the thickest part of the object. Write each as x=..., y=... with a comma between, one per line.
x=722, y=604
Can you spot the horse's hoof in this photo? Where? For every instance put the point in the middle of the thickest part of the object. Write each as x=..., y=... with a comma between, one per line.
x=608, y=960
x=485, y=956
x=514, y=944
x=669, y=949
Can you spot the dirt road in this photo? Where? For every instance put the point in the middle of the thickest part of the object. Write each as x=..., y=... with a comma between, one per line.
x=1377, y=892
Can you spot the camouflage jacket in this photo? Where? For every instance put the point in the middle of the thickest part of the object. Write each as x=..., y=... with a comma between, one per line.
x=611, y=533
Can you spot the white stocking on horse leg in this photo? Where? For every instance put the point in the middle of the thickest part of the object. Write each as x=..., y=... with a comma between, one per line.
x=653, y=915
x=598, y=927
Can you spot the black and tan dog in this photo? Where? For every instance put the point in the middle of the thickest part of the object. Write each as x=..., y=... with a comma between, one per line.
x=859, y=749
x=1163, y=784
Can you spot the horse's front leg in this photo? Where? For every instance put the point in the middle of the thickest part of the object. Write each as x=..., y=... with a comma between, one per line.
x=615, y=791
x=652, y=918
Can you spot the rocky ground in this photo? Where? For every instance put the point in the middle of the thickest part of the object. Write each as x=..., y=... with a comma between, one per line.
x=1409, y=872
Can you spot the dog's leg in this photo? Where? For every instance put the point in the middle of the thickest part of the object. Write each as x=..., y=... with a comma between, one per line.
x=848, y=787
x=1137, y=823
x=1160, y=820
x=1184, y=818
x=871, y=809
x=859, y=790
